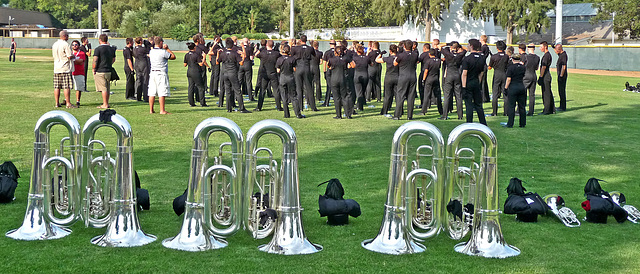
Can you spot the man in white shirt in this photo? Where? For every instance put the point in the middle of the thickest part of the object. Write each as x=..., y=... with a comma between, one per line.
x=62, y=68
x=159, y=78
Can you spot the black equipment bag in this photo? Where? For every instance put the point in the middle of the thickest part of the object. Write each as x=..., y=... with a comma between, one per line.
x=599, y=204
x=526, y=206
x=334, y=206
x=142, y=195
x=8, y=181
x=179, y=203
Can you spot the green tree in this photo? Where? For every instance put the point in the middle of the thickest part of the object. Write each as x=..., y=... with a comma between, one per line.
x=65, y=13
x=426, y=11
x=626, y=20
x=135, y=23
x=113, y=11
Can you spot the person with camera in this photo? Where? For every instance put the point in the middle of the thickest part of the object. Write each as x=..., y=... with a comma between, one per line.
x=390, y=78
x=516, y=91
x=159, y=75
x=453, y=55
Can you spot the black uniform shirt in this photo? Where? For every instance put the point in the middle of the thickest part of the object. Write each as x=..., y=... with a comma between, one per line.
x=126, y=52
x=532, y=65
x=215, y=49
x=192, y=60
x=516, y=72
x=304, y=53
x=200, y=48
x=546, y=62
x=499, y=62
x=474, y=65
x=362, y=63
x=286, y=64
x=392, y=71
x=373, y=54
x=423, y=59
x=327, y=55
x=338, y=65
x=562, y=62
x=140, y=53
x=230, y=59
x=433, y=65
x=268, y=59
x=453, y=59
x=485, y=51
x=248, y=54
x=407, y=61
x=315, y=61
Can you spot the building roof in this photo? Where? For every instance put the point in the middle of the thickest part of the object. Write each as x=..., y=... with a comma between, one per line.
x=24, y=17
x=581, y=9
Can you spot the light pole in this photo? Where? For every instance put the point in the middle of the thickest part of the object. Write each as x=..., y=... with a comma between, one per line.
x=558, y=22
x=99, y=17
x=613, y=34
x=200, y=17
x=291, y=32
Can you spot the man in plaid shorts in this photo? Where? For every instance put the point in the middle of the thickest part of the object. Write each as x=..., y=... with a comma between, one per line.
x=62, y=68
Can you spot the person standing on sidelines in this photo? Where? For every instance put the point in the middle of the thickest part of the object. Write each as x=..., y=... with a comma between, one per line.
x=62, y=66
x=141, y=66
x=545, y=80
x=531, y=62
x=85, y=46
x=159, y=78
x=561, y=67
x=78, y=72
x=130, y=88
x=12, y=50
x=516, y=91
x=472, y=67
x=103, y=58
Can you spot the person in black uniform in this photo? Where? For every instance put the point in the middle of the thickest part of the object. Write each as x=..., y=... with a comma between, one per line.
x=194, y=63
x=215, y=68
x=338, y=65
x=12, y=51
x=269, y=77
x=304, y=53
x=201, y=51
x=486, y=53
x=516, y=91
x=374, y=90
x=472, y=69
x=349, y=52
x=431, y=80
x=452, y=83
x=286, y=65
x=406, y=61
x=127, y=52
x=327, y=72
x=361, y=75
x=423, y=59
x=498, y=63
x=245, y=73
x=561, y=67
x=390, y=78
x=230, y=60
x=545, y=80
x=315, y=70
x=141, y=66
x=531, y=62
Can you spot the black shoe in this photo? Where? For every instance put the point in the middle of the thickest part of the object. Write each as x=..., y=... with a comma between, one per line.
x=245, y=111
x=301, y=116
x=530, y=114
x=279, y=109
x=560, y=109
x=337, y=117
x=257, y=109
x=315, y=109
x=543, y=113
x=354, y=112
x=349, y=117
x=411, y=118
x=228, y=110
x=395, y=118
x=77, y=104
x=507, y=126
x=204, y=106
x=131, y=98
x=192, y=105
x=521, y=126
x=443, y=118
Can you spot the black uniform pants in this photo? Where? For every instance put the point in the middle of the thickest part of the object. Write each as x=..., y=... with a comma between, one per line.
x=203, y=75
x=315, y=83
x=130, y=87
x=452, y=87
x=288, y=93
x=530, y=85
x=327, y=79
x=517, y=94
x=267, y=81
x=432, y=90
x=13, y=53
x=341, y=96
x=390, y=87
x=421, y=87
x=406, y=91
x=304, y=88
x=472, y=96
x=245, y=76
x=142, y=80
x=562, y=91
x=374, y=88
x=195, y=92
x=547, y=95
x=497, y=89
x=232, y=89
x=215, y=79
x=361, y=79
x=485, y=87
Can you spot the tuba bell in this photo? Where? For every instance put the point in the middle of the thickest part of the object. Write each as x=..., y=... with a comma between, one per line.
x=117, y=206
x=407, y=218
x=40, y=221
x=213, y=193
x=288, y=233
x=486, y=238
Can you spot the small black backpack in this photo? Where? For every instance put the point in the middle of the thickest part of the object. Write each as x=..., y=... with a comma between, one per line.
x=599, y=204
x=526, y=206
x=8, y=181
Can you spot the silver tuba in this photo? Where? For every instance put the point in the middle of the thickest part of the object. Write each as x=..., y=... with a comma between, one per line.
x=213, y=193
x=406, y=220
x=486, y=238
x=121, y=217
x=289, y=237
x=557, y=207
x=40, y=221
x=633, y=214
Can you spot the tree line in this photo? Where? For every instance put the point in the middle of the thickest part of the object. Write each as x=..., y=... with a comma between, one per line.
x=179, y=18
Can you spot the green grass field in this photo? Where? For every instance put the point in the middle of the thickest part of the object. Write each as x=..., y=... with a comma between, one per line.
x=596, y=137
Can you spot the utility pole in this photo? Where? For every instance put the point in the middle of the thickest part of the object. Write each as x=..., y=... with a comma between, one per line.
x=99, y=17
x=291, y=32
x=558, y=22
x=200, y=18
